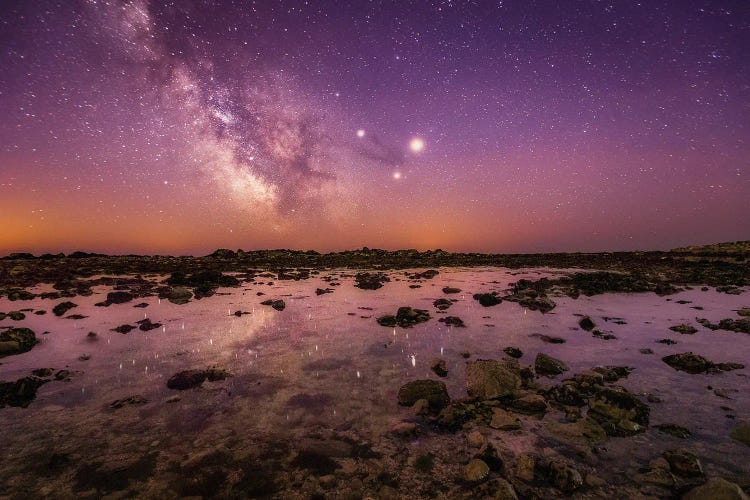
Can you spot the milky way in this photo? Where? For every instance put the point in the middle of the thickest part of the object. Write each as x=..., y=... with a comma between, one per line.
x=490, y=126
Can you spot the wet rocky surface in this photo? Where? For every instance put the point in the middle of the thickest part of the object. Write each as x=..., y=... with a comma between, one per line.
x=516, y=397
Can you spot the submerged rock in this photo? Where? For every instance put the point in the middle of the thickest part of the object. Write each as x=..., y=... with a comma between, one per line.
x=564, y=477
x=549, y=366
x=119, y=297
x=433, y=391
x=716, y=488
x=490, y=379
x=742, y=433
x=135, y=400
x=193, y=378
x=586, y=324
x=449, y=290
x=452, y=321
x=146, y=324
x=123, y=329
x=684, y=463
x=16, y=341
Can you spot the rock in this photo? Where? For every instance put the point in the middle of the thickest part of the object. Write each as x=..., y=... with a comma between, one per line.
x=504, y=420
x=564, y=477
x=693, y=363
x=188, y=379
x=432, y=390
x=84, y=357
x=487, y=299
x=406, y=317
x=587, y=324
x=548, y=366
x=613, y=373
x=745, y=311
x=452, y=321
x=619, y=412
x=179, y=295
x=673, y=430
x=683, y=329
x=66, y=375
x=585, y=432
x=16, y=341
x=370, y=281
x=439, y=366
x=323, y=291
x=716, y=488
x=19, y=393
x=646, y=350
x=145, y=325
x=476, y=471
x=490, y=379
x=403, y=429
x=43, y=372
x=666, y=341
x=530, y=404
x=421, y=407
x=136, y=400
x=513, y=352
x=442, y=304
x=657, y=476
x=548, y=339
x=742, y=433
x=594, y=481
x=525, y=467
x=118, y=297
x=277, y=304
x=63, y=307
x=449, y=290
x=124, y=329
x=475, y=439
x=684, y=463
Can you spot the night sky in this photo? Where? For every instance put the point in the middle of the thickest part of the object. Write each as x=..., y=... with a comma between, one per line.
x=506, y=126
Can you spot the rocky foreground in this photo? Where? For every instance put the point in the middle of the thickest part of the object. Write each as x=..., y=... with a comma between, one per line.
x=578, y=414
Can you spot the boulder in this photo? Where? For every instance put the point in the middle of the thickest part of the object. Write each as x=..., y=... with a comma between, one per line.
x=619, y=412
x=476, y=471
x=487, y=299
x=179, y=295
x=548, y=366
x=490, y=379
x=716, y=488
x=684, y=463
x=432, y=390
x=63, y=307
x=16, y=340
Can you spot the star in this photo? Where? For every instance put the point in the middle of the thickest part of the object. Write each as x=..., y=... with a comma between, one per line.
x=416, y=145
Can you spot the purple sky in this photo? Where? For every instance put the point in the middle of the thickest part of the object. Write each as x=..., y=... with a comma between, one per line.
x=180, y=127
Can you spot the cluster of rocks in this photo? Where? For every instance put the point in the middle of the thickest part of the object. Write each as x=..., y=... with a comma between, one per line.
x=189, y=379
x=405, y=317
x=741, y=325
x=370, y=281
x=695, y=363
x=277, y=304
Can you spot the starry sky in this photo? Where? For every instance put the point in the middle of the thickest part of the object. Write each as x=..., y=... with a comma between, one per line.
x=500, y=126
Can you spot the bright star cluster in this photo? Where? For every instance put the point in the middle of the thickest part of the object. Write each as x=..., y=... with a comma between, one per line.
x=516, y=126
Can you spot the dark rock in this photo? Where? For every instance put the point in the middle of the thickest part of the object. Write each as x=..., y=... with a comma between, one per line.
x=684, y=463
x=666, y=341
x=683, y=329
x=63, y=307
x=490, y=379
x=448, y=290
x=513, y=352
x=742, y=433
x=586, y=323
x=124, y=328
x=370, y=281
x=693, y=363
x=193, y=378
x=322, y=291
x=442, y=304
x=179, y=295
x=43, y=372
x=116, y=298
x=277, y=304
x=548, y=366
x=439, y=366
x=16, y=341
x=433, y=391
x=19, y=393
x=145, y=325
x=487, y=299
x=136, y=400
x=452, y=321
x=673, y=430
x=406, y=317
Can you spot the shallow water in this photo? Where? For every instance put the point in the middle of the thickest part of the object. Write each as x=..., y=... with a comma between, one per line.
x=323, y=365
